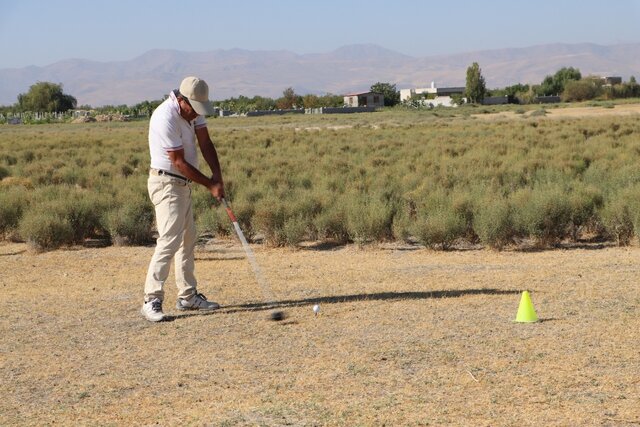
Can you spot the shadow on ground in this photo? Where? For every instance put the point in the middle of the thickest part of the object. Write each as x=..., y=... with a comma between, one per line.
x=380, y=296
x=14, y=253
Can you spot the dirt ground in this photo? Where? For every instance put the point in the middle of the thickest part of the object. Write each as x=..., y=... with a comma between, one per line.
x=405, y=336
x=572, y=112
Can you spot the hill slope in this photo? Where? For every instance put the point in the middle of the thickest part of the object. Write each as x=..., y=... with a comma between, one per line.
x=352, y=68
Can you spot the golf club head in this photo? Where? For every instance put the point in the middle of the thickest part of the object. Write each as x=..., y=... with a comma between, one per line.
x=277, y=316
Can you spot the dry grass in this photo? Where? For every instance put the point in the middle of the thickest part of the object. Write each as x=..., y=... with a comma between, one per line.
x=571, y=112
x=405, y=336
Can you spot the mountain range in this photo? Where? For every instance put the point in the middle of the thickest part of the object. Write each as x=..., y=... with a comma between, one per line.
x=349, y=69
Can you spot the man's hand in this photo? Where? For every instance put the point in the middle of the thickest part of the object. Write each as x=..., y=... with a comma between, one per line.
x=217, y=190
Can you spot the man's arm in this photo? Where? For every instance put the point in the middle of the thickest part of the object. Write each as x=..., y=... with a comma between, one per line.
x=209, y=153
x=188, y=170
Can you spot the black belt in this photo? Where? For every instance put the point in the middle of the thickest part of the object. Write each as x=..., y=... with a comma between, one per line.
x=173, y=175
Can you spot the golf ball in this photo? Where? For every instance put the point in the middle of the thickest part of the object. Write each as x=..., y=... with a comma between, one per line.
x=316, y=309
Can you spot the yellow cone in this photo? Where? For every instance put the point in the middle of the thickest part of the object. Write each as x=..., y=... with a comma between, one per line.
x=526, y=312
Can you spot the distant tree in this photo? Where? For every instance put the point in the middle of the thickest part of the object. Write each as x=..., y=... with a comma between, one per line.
x=243, y=104
x=330, y=100
x=289, y=100
x=476, y=87
x=145, y=108
x=262, y=103
x=46, y=97
x=311, y=101
x=457, y=99
x=517, y=89
x=554, y=85
x=630, y=89
x=391, y=95
x=581, y=90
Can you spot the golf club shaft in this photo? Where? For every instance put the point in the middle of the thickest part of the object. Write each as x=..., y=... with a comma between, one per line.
x=266, y=290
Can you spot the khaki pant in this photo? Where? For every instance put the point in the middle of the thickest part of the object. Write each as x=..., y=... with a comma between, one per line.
x=177, y=237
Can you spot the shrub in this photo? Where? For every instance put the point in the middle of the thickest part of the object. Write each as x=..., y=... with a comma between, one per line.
x=130, y=222
x=543, y=213
x=493, y=222
x=4, y=172
x=620, y=215
x=331, y=223
x=368, y=218
x=295, y=230
x=85, y=216
x=45, y=229
x=210, y=221
x=584, y=203
x=244, y=212
x=463, y=205
x=389, y=174
x=71, y=214
x=440, y=227
x=12, y=206
x=402, y=222
x=617, y=220
x=270, y=218
x=580, y=90
x=538, y=113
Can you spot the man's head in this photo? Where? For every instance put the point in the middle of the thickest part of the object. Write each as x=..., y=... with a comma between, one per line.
x=196, y=93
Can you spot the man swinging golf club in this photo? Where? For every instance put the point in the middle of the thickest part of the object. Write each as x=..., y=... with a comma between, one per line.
x=173, y=130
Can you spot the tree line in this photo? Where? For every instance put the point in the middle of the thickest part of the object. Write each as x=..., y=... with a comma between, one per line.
x=567, y=83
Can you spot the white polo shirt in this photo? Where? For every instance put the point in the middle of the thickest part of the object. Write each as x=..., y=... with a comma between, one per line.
x=168, y=131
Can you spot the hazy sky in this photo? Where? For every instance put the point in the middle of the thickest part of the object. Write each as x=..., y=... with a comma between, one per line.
x=43, y=32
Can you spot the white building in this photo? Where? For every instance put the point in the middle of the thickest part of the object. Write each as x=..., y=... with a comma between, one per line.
x=436, y=96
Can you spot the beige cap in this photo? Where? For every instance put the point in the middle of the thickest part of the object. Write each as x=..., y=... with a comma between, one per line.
x=197, y=92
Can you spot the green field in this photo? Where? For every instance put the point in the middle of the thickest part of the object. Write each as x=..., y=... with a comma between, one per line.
x=442, y=178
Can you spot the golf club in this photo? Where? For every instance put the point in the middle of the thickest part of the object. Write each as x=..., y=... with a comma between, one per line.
x=266, y=290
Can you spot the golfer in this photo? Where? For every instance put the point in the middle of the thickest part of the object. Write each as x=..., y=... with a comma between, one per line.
x=173, y=130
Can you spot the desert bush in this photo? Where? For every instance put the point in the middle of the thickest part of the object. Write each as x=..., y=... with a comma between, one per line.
x=617, y=219
x=8, y=159
x=581, y=90
x=84, y=212
x=71, y=214
x=356, y=178
x=331, y=223
x=287, y=216
x=211, y=221
x=130, y=220
x=493, y=222
x=4, y=172
x=269, y=219
x=69, y=175
x=463, y=204
x=244, y=212
x=538, y=113
x=584, y=203
x=45, y=230
x=403, y=219
x=439, y=227
x=13, y=203
x=620, y=215
x=368, y=218
x=295, y=229
x=542, y=213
